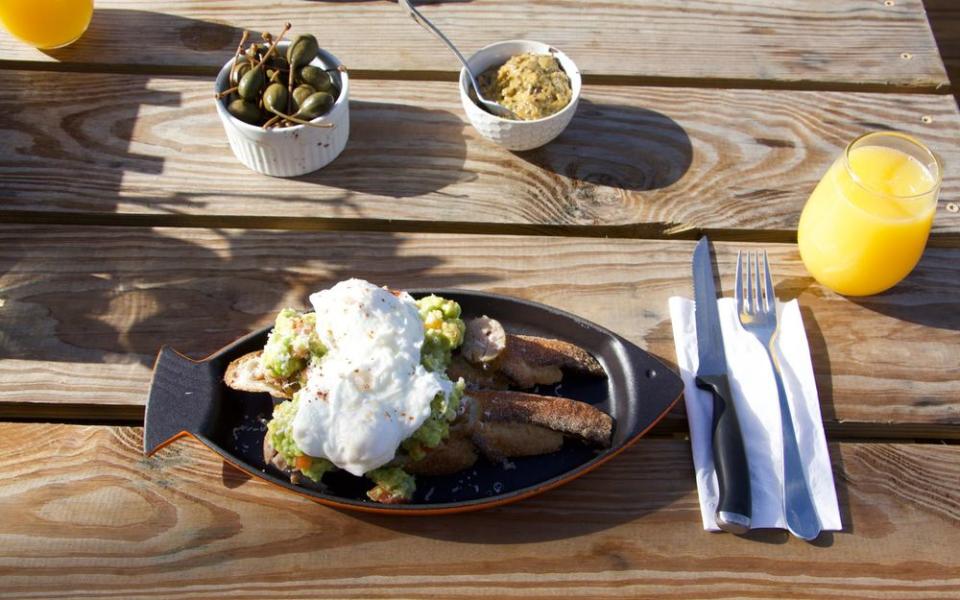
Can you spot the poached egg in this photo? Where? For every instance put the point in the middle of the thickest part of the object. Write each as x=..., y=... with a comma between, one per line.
x=369, y=392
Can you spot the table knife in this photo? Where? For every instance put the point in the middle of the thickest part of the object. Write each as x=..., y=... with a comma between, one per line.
x=729, y=456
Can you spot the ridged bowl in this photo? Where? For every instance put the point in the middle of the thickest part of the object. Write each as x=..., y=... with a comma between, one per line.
x=511, y=134
x=290, y=151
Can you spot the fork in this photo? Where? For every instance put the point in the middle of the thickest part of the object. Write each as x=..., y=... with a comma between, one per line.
x=758, y=315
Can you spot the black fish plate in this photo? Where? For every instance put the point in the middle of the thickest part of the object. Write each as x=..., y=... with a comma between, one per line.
x=189, y=398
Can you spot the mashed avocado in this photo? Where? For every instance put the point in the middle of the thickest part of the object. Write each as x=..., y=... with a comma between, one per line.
x=437, y=426
x=292, y=343
x=393, y=485
x=280, y=432
x=443, y=331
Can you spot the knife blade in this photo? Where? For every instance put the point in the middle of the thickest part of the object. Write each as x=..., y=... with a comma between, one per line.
x=729, y=456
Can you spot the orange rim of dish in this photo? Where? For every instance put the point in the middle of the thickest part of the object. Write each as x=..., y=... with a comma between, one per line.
x=446, y=510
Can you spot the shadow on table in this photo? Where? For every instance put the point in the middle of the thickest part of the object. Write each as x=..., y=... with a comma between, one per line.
x=388, y=155
x=615, y=146
x=195, y=297
x=120, y=296
x=162, y=40
x=929, y=296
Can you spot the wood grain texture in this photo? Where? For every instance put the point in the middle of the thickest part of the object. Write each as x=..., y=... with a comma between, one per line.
x=776, y=40
x=85, y=310
x=944, y=16
x=83, y=510
x=638, y=161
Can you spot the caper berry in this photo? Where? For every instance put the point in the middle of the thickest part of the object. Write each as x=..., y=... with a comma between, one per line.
x=275, y=98
x=314, y=106
x=245, y=111
x=251, y=84
x=260, y=80
x=316, y=77
x=239, y=69
x=301, y=93
x=302, y=50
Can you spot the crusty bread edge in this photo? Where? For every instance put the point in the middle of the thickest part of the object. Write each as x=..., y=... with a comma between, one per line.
x=235, y=377
x=559, y=414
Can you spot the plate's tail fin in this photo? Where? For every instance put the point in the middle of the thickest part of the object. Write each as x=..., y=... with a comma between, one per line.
x=184, y=398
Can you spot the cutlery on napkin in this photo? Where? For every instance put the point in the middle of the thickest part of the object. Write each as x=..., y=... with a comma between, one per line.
x=755, y=397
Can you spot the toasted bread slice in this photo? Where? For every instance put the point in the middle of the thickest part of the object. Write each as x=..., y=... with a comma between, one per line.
x=529, y=360
x=246, y=375
x=505, y=439
x=559, y=414
x=455, y=454
x=526, y=360
x=476, y=378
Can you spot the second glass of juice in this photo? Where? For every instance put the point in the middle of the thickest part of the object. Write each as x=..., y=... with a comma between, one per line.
x=46, y=24
x=867, y=222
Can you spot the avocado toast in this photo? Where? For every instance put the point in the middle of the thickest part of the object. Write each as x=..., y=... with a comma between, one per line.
x=449, y=430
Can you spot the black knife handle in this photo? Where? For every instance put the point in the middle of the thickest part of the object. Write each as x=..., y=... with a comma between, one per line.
x=729, y=457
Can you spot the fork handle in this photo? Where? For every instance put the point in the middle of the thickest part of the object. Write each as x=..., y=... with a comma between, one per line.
x=729, y=458
x=800, y=512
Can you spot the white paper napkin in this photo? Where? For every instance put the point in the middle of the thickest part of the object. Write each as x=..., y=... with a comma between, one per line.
x=755, y=397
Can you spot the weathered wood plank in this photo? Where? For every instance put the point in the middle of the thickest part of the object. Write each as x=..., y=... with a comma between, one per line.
x=650, y=161
x=856, y=42
x=86, y=309
x=83, y=510
x=944, y=16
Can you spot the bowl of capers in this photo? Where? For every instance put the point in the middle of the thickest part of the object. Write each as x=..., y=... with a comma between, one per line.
x=284, y=105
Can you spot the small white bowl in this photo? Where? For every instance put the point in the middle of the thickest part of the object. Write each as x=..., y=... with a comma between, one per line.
x=290, y=151
x=518, y=135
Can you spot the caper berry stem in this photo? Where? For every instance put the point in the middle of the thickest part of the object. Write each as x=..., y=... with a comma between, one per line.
x=273, y=45
x=226, y=92
x=243, y=40
x=290, y=91
x=272, y=120
x=300, y=121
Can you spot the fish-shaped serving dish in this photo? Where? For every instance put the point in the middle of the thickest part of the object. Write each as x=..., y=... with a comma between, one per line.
x=189, y=397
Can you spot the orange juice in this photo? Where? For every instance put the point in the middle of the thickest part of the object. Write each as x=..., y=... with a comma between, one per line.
x=866, y=223
x=46, y=23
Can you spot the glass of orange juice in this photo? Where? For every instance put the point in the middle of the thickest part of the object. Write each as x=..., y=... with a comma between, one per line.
x=865, y=226
x=46, y=24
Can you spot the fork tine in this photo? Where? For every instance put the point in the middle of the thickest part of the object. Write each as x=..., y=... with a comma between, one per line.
x=771, y=297
x=760, y=308
x=738, y=282
x=751, y=303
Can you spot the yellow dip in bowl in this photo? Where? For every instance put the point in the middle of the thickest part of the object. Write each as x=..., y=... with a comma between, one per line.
x=533, y=86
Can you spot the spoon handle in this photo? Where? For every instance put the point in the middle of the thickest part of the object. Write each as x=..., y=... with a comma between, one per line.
x=426, y=24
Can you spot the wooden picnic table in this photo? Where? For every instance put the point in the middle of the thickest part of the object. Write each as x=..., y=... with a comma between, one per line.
x=127, y=224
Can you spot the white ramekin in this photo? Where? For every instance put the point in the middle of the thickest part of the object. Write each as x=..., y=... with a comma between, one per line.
x=517, y=135
x=290, y=151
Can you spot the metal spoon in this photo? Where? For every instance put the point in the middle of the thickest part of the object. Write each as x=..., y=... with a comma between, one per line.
x=491, y=106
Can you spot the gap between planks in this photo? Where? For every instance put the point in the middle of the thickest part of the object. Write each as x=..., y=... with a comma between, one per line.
x=638, y=231
x=798, y=85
